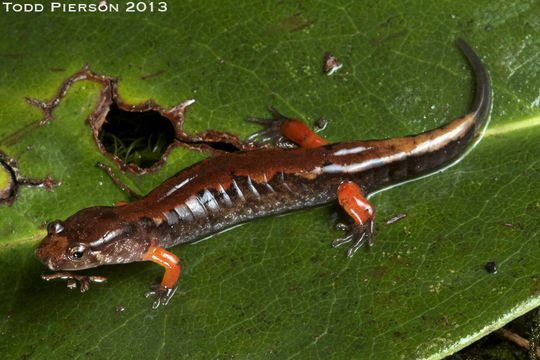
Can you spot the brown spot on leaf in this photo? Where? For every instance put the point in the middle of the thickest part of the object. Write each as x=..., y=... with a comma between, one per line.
x=157, y=73
x=292, y=23
x=304, y=25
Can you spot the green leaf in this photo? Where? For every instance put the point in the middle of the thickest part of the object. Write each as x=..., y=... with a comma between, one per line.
x=275, y=287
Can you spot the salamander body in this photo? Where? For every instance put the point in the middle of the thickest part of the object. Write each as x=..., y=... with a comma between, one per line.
x=233, y=188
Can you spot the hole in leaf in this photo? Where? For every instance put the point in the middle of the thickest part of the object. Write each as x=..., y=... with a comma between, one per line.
x=140, y=138
x=223, y=146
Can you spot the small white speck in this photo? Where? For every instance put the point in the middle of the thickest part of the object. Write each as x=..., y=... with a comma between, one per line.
x=100, y=183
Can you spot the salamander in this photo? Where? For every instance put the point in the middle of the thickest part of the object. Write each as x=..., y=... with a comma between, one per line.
x=225, y=190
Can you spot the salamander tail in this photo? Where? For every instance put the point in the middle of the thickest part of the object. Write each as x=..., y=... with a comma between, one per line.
x=482, y=97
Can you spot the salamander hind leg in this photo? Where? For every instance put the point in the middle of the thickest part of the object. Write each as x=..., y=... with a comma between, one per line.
x=361, y=230
x=284, y=132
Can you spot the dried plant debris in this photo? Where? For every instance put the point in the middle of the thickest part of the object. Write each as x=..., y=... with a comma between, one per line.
x=331, y=64
x=395, y=218
x=11, y=179
x=320, y=124
x=215, y=142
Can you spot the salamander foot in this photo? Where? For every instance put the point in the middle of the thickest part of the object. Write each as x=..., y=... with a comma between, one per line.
x=162, y=294
x=84, y=280
x=358, y=233
x=272, y=133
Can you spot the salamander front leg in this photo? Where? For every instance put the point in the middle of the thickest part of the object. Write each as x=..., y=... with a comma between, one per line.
x=84, y=280
x=164, y=291
x=351, y=199
x=284, y=132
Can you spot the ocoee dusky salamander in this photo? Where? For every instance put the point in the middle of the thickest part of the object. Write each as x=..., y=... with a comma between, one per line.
x=225, y=190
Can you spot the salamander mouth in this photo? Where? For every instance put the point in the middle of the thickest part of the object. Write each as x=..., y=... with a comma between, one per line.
x=52, y=266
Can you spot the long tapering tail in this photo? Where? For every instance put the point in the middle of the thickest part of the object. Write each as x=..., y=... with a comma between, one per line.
x=482, y=96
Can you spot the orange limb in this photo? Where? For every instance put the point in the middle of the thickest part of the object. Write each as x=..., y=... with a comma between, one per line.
x=121, y=203
x=167, y=260
x=351, y=199
x=298, y=132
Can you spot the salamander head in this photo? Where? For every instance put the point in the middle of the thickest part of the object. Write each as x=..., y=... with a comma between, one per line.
x=92, y=237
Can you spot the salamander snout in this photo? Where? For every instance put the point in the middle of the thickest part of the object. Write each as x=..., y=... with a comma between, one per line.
x=47, y=252
x=51, y=264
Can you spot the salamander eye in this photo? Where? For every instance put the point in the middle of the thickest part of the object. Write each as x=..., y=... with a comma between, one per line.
x=55, y=227
x=76, y=252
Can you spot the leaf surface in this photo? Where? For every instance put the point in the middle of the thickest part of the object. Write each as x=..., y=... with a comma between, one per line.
x=275, y=287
